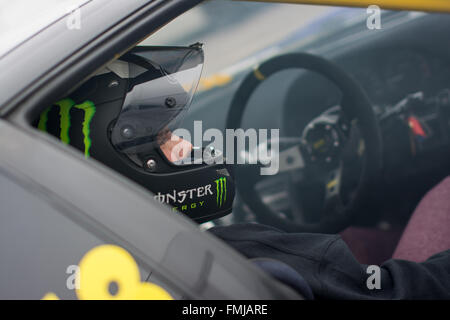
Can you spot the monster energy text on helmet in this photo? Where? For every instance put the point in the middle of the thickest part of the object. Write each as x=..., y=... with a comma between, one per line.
x=124, y=116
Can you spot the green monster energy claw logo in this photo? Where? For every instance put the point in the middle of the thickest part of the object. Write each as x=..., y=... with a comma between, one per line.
x=221, y=186
x=64, y=115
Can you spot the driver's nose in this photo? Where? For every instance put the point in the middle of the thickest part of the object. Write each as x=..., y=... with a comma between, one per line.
x=176, y=148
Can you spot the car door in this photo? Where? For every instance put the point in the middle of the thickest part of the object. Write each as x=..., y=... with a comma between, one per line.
x=57, y=206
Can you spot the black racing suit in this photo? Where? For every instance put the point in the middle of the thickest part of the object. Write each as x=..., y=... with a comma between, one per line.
x=331, y=270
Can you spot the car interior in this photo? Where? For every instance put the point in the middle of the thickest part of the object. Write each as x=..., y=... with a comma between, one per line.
x=403, y=69
x=365, y=112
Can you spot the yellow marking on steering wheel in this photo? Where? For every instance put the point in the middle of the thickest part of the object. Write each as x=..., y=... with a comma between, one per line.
x=332, y=183
x=258, y=74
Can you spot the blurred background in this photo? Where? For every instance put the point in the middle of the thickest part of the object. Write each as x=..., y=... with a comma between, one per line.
x=234, y=30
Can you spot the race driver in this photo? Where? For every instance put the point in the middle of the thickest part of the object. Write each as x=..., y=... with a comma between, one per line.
x=124, y=116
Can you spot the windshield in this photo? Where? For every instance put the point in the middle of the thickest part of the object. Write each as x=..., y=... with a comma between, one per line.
x=225, y=28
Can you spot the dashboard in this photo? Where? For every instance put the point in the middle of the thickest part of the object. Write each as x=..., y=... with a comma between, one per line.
x=410, y=93
x=390, y=74
x=406, y=75
x=409, y=90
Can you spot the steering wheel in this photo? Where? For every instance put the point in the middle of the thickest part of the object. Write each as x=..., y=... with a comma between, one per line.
x=305, y=154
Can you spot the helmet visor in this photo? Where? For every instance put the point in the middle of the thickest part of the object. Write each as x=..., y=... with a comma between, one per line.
x=162, y=83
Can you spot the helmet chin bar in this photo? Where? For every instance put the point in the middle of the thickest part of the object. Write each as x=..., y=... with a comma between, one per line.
x=203, y=190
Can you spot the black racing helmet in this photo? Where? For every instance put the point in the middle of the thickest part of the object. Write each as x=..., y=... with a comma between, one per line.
x=124, y=117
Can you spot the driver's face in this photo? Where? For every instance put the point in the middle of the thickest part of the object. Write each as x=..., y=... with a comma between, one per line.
x=175, y=148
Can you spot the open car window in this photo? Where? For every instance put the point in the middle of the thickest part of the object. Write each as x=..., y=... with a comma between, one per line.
x=350, y=108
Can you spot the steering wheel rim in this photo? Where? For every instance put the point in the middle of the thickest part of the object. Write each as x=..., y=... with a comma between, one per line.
x=355, y=105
